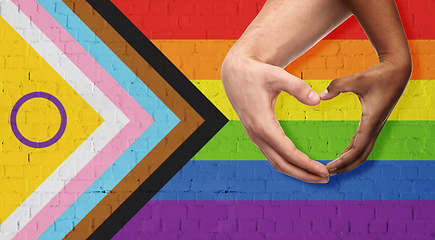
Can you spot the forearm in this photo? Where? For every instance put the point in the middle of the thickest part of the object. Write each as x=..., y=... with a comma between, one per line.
x=382, y=25
x=284, y=29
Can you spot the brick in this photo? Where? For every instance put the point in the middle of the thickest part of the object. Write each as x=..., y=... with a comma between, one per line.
x=265, y=226
x=416, y=227
x=284, y=235
x=302, y=225
x=171, y=225
x=222, y=236
x=318, y=212
x=245, y=211
x=199, y=21
x=247, y=186
x=226, y=172
x=424, y=186
x=248, y=236
x=226, y=8
x=320, y=73
x=430, y=227
x=245, y=172
x=190, y=225
x=163, y=22
x=321, y=225
x=409, y=172
x=397, y=226
x=360, y=237
x=213, y=212
x=284, y=226
x=208, y=225
x=284, y=213
x=248, y=8
x=166, y=210
x=396, y=213
x=340, y=225
x=247, y=225
x=317, y=62
x=207, y=185
x=426, y=172
x=315, y=236
x=378, y=226
x=396, y=237
x=158, y=8
x=2, y=168
x=334, y=62
x=228, y=225
x=359, y=226
x=14, y=172
x=357, y=185
x=398, y=186
x=262, y=173
x=181, y=8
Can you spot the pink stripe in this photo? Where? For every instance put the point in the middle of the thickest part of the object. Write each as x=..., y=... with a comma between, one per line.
x=140, y=120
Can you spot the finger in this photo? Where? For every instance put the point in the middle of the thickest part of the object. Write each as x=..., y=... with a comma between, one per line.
x=270, y=133
x=296, y=87
x=363, y=140
x=332, y=170
x=287, y=168
x=357, y=162
x=341, y=85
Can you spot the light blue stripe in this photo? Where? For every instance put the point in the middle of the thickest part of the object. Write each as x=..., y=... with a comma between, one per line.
x=165, y=120
x=257, y=180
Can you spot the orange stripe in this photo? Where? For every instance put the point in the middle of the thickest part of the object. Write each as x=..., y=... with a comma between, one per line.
x=329, y=59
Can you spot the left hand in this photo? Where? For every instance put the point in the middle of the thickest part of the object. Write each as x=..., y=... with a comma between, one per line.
x=378, y=89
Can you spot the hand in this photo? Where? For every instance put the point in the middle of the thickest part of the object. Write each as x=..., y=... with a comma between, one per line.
x=252, y=88
x=378, y=89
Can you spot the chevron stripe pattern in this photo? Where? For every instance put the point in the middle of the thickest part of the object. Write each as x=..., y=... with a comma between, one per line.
x=114, y=125
x=115, y=120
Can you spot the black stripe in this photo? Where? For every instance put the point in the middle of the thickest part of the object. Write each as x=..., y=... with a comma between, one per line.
x=214, y=120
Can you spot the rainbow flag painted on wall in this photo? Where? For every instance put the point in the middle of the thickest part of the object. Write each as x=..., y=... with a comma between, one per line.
x=229, y=190
x=119, y=85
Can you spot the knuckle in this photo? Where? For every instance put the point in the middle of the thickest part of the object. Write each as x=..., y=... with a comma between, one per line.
x=278, y=167
x=256, y=131
x=300, y=87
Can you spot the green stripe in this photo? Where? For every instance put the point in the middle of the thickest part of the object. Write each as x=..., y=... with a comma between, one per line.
x=325, y=140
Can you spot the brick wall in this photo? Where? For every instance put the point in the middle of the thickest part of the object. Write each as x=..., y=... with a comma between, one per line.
x=125, y=119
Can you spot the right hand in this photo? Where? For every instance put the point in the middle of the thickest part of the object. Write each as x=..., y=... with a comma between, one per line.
x=252, y=88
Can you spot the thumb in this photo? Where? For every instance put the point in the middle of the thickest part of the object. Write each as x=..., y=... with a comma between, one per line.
x=339, y=85
x=298, y=88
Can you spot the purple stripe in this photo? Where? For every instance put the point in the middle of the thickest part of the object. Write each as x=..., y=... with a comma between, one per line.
x=326, y=220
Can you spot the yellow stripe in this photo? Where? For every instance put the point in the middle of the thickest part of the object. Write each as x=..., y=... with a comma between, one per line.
x=329, y=59
x=417, y=103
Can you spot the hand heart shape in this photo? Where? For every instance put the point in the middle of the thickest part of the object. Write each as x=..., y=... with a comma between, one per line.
x=253, y=87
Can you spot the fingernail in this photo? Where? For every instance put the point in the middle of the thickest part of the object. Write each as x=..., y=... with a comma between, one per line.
x=332, y=174
x=312, y=95
x=331, y=170
x=324, y=175
x=324, y=180
x=324, y=93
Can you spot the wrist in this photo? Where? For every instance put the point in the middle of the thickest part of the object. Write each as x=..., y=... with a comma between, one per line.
x=398, y=62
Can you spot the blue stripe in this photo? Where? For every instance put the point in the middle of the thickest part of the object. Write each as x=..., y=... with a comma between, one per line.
x=257, y=180
x=165, y=120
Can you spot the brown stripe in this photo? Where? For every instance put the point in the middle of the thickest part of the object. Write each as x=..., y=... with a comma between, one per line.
x=190, y=120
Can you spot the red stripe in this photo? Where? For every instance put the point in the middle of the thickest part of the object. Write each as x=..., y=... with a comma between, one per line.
x=216, y=19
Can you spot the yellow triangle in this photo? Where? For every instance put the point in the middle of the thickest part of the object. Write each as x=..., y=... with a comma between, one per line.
x=23, y=168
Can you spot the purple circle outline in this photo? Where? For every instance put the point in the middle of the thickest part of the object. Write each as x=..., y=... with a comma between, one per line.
x=24, y=99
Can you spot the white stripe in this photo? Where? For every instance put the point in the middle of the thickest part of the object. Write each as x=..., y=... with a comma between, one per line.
x=115, y=120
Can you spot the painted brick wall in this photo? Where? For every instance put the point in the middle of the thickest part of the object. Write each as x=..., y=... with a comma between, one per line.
x=125, y=118
x=243, y=199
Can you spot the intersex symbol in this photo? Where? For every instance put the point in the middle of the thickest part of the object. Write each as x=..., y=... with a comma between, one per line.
x=26, y=141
